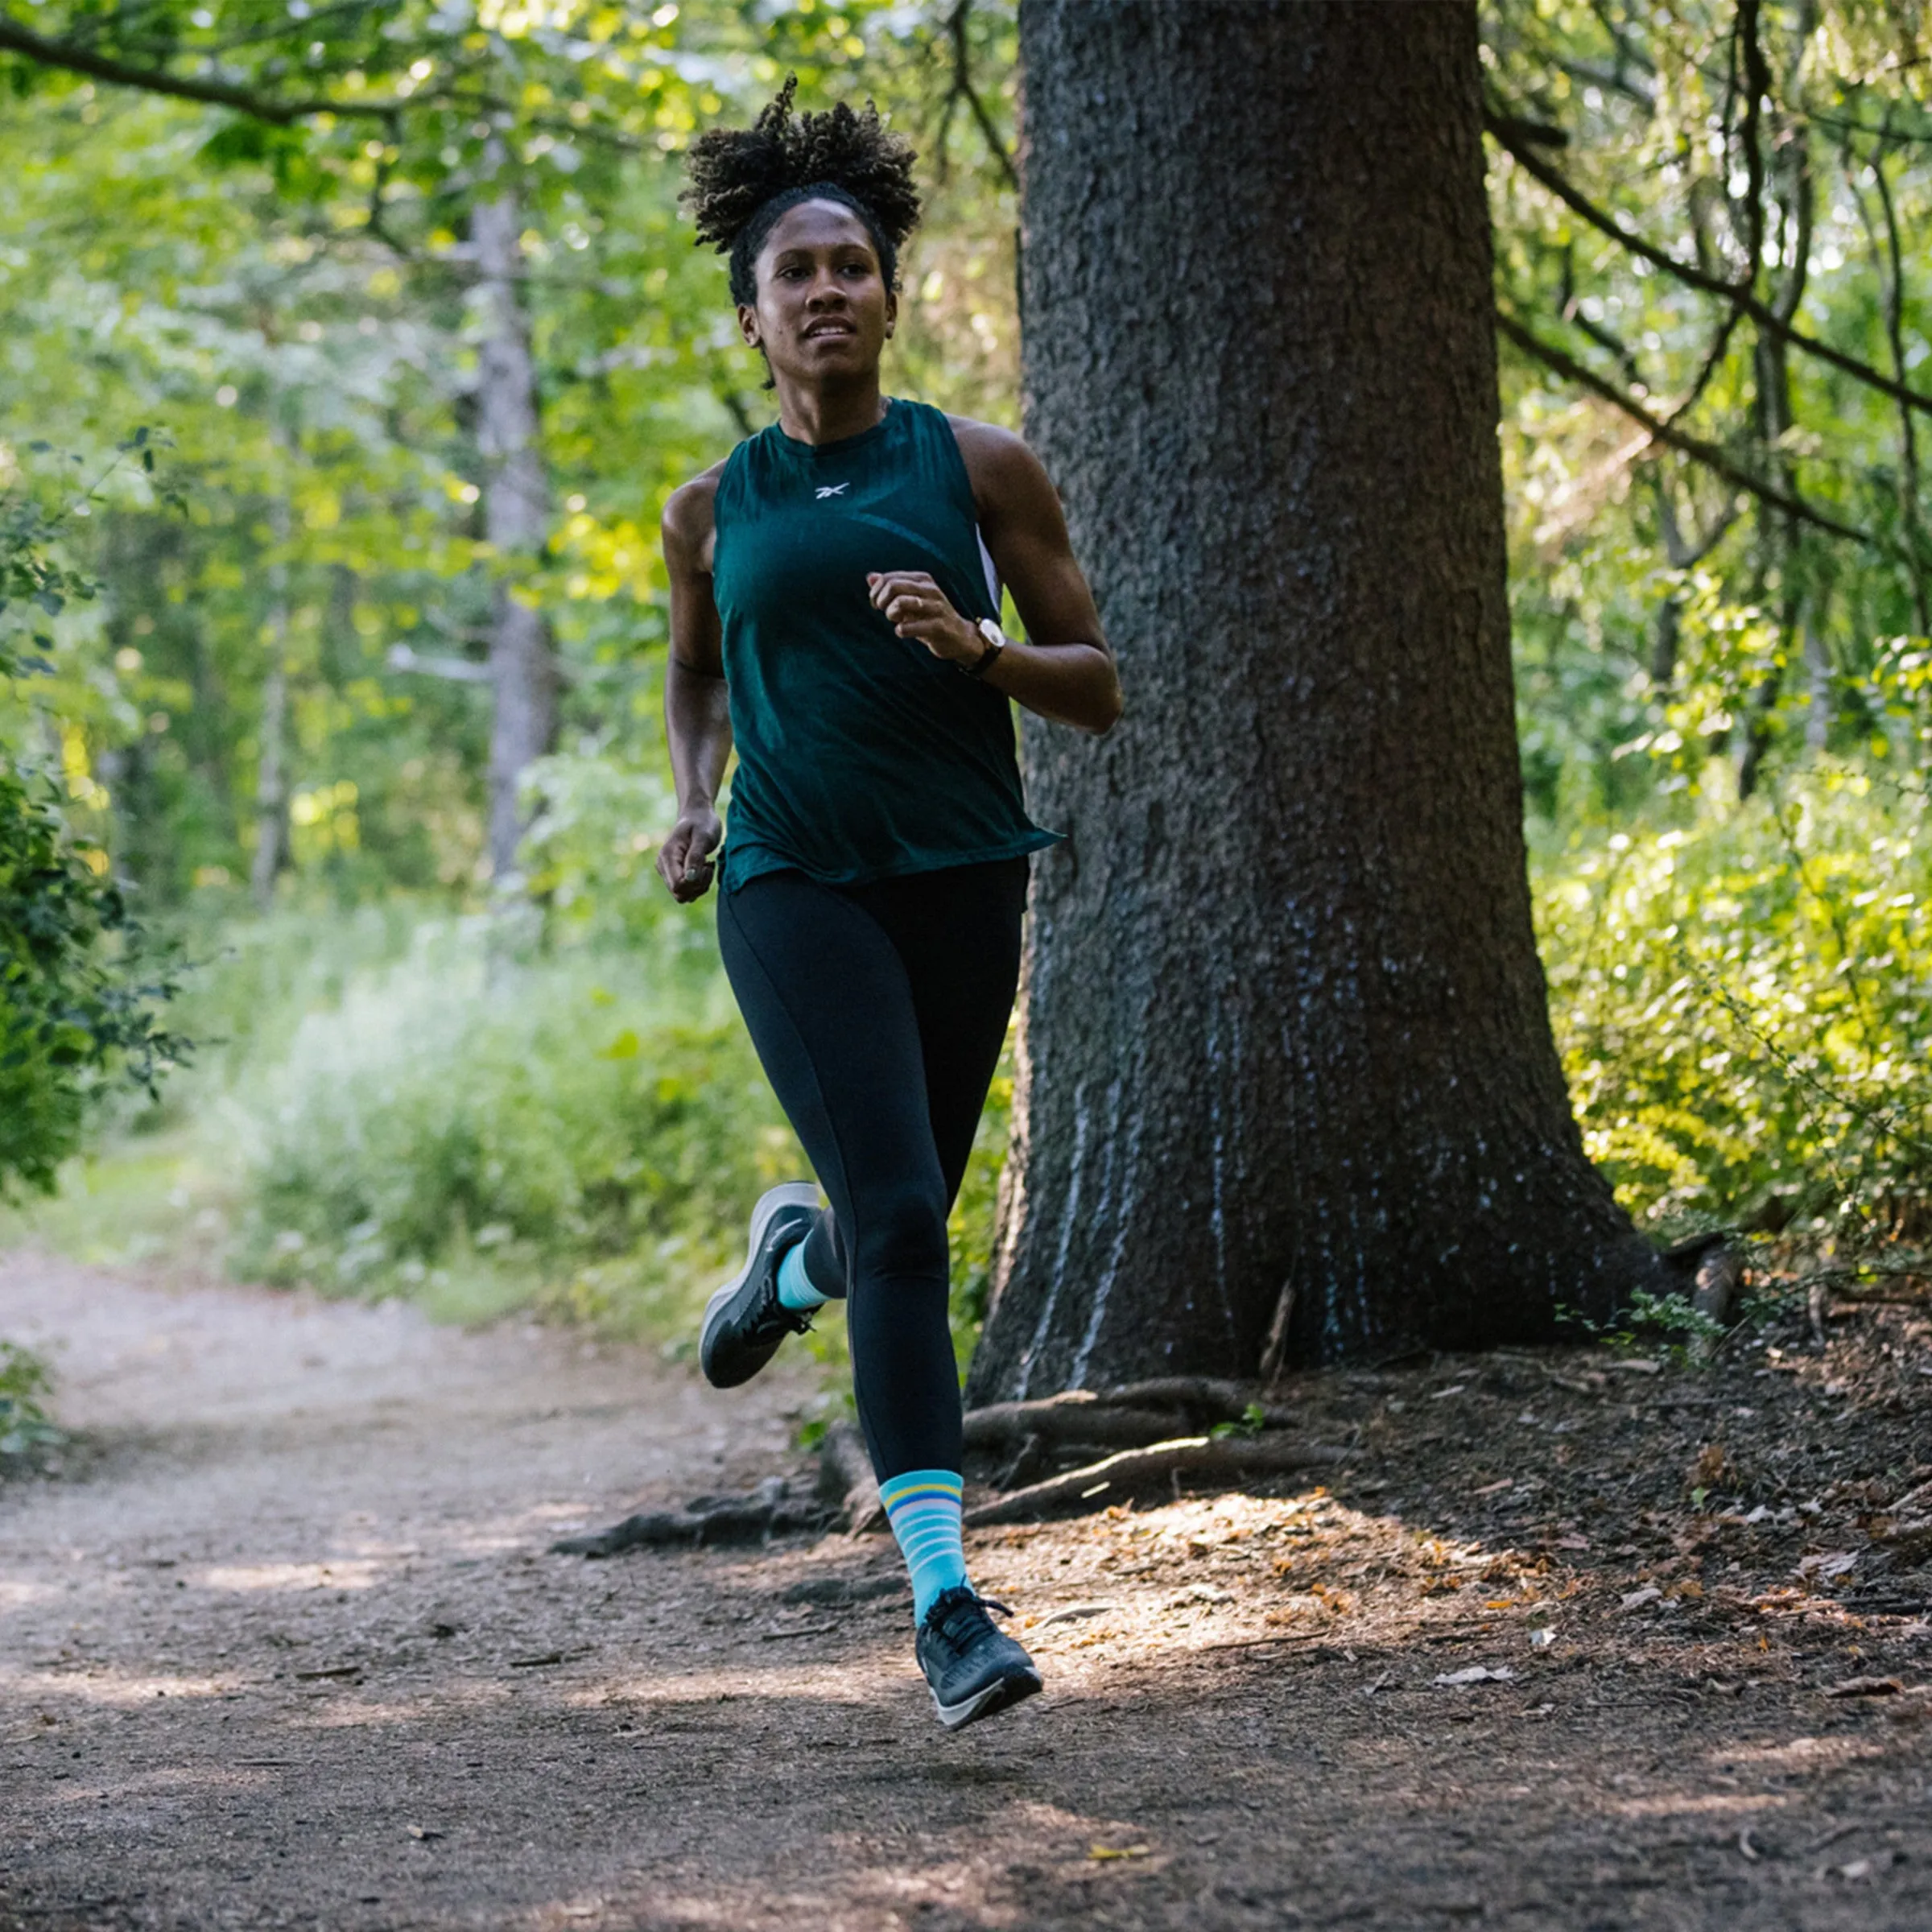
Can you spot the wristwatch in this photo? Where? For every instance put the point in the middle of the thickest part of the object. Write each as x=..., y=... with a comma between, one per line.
x=996, y=642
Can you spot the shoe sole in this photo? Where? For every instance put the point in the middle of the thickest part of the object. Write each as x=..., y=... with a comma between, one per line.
x=791, y=1194
x=1001, y=1695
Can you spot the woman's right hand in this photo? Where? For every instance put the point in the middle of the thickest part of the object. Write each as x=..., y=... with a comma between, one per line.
x=684, y=861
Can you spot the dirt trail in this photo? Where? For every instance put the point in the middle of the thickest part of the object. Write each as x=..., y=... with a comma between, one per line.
x=282, y=1646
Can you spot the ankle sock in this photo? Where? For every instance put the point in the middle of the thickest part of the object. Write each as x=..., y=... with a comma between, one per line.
x=923, y=1506
x=795, y=1289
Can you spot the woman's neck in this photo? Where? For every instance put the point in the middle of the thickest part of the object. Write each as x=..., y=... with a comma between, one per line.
x=818, y=415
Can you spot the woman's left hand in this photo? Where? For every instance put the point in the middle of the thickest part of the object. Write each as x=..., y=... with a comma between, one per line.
x=915, y=607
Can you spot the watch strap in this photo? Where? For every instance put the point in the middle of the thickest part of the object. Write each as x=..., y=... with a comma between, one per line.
x=996, y=643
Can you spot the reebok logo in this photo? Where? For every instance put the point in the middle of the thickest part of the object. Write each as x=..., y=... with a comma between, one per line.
x=832, y=489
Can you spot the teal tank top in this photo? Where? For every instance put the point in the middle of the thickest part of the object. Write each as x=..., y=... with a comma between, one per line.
x=859, y=755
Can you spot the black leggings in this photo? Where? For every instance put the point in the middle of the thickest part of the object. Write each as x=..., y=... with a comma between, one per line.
x=879, y=1012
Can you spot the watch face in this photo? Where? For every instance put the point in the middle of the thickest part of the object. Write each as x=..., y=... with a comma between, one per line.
x=990, y=632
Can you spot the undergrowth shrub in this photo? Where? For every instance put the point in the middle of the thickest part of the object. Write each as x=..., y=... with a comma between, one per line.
x=23, y=1424
x=560, y=1126
x=1745, y=1010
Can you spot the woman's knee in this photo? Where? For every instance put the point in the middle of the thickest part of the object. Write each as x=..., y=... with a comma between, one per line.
x=901, y=1234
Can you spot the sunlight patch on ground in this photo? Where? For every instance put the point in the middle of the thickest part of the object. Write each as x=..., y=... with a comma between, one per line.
x=872, y=1891
x=350, y=1713
x=526, y=1531
x=1800, y=1754
x=102, y=1686
x=338, y=1708
x=829, y=1684
x=339, y=1573
x=176, y=1780
x=1709, y=1804
x=1301, y=1570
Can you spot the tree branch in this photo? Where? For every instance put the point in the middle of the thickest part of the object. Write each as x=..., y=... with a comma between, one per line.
x=1757, y=83
x=1709, y=454
x=457, y=670
x=1116, y=1475
x=964, y=89
x=64, y=55
x=1692, y=276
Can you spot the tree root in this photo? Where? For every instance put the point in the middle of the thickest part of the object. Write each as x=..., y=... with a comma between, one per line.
x=1135, y=1414
x=846, y=1482
x=1142, y=1416
x=1066, y=1419
x=1132, y=1469
x=769, y=1510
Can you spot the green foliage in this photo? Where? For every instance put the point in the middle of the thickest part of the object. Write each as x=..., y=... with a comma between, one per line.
x=23, y=1423
x=593, y=843
x=1674, y=629
x=69, y=1011
x=75, y=1003
x=1252, y=1421
x=564, y=1122
x=1744, y=1005
x=974, y=1216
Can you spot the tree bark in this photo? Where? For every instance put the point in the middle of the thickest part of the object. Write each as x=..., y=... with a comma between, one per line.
x=516, y=504
x=1286, y=1090
x=271, y=853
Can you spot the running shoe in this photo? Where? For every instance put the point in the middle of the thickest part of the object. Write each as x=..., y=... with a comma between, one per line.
x=972, y=1669
x=745, y=1321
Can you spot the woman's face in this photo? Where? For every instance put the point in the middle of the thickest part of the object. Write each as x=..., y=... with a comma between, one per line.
x=824, y=312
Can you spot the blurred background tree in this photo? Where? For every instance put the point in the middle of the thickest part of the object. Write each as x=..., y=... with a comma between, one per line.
x=404, y=285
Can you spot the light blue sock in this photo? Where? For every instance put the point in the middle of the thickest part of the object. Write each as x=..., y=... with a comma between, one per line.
x=923, y=1507
x=795, y=1289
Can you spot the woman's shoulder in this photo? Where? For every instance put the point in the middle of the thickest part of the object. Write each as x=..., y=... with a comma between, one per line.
x=987, y=436
x=998, y=460
x=690, y=510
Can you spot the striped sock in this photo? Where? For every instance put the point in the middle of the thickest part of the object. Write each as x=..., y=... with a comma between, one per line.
x=795, y=1290
x=923, y=1507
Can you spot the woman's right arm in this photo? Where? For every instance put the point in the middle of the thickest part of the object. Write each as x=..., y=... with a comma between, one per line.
x=697, y=717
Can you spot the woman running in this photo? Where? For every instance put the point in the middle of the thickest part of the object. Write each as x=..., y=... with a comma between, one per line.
x=835, y=605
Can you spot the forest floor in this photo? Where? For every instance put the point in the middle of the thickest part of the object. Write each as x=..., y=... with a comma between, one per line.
x=282, y=1645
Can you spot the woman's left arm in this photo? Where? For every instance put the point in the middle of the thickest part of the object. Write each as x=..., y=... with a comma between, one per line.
x=1064, y=671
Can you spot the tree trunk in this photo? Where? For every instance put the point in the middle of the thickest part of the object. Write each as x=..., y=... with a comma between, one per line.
x=516, y=504
x=1286, y=1087
x=271, y=769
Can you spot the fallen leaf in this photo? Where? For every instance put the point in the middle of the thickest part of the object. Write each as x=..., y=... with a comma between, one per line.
x=1638, y=1365
x=1509, y=1482
x=1541, y=1640
x=1572, y=1542
x=1076, y=1612
x=1865, y=1686
x=1826, y=1564
x=1104, y=1851
x=1475, y=1673
x=425, y=1832
x=330, y=1671
x=1637, y=1599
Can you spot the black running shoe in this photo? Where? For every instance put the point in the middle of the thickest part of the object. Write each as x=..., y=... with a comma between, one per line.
x=745, y=1321
x=972, y=1669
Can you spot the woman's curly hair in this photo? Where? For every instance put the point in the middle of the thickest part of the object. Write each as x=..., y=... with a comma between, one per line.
x=742, y=179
